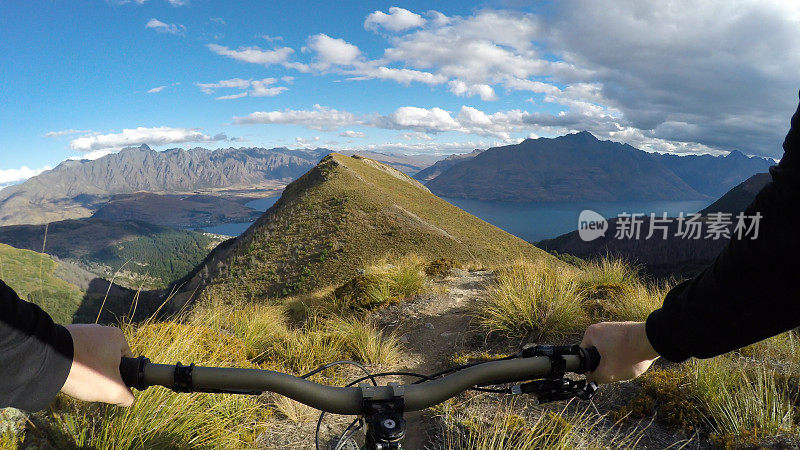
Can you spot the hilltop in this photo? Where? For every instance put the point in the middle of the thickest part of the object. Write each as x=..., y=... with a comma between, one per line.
x=341, y=215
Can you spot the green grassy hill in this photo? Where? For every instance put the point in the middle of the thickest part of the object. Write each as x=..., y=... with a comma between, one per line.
x=33, y=276
x=340, y=216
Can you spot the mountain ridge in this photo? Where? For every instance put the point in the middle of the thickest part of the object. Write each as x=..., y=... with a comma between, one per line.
x=574, y=167
x=338, y=216
x=76, y=188
x=580, y=167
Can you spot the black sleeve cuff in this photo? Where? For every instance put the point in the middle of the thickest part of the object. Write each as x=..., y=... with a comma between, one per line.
x=661, y=336
x=55, y=370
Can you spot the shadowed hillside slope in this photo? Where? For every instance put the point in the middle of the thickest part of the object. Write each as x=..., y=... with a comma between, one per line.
x=738, y=198
x=339, y=216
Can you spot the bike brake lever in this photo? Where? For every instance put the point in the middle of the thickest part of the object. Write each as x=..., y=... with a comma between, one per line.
x=551, y=390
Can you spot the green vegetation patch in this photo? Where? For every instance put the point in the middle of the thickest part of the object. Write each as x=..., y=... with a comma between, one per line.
x=32, y=276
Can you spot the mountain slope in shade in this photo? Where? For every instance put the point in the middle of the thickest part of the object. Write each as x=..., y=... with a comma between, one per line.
x=341, y=215
x=738, y=198
x=181, y=211
x=575, y=167
x=714, y=175
x=660, y=257
x=440, y=166
x=673, y=256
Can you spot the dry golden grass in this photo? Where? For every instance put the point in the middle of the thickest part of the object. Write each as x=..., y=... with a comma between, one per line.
x=534, y=299
x=501, y=427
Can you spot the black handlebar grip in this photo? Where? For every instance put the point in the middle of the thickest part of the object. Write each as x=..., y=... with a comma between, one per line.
x=132, y=371
x=590, y=359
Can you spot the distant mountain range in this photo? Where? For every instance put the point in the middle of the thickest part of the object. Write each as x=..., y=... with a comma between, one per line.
x=579, y=167
x=440, y=166
x=76, y=189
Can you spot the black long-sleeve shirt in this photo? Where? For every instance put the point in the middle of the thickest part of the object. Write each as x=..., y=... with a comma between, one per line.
x=35, y=353
x=752, y=290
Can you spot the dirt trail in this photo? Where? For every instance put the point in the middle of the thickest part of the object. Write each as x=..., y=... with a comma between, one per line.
x=433, y=328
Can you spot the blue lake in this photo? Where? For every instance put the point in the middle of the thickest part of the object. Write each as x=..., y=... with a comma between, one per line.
x=235, y=229
x=532, y=221
x=535, y=221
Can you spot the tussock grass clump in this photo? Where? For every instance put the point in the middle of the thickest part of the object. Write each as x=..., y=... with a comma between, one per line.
x=735, y=402
x=608, y=272
x=387, y=281
x=365, y=342
x=745, y=402
x=611, y=289
x=532, y=299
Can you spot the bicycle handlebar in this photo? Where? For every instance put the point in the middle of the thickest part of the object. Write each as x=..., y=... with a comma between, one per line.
x=139, y=373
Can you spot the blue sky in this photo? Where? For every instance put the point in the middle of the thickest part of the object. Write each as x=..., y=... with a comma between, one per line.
x=82, y=79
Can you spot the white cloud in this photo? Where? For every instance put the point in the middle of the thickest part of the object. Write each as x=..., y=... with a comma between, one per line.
x=178, y=2
x=728, y=68
x=262, y=88
x=13, y=176
x=217, y=20
x=332, y=51
x=162, y=27
x=60, y=133
x=460, y=88
x=254, y=55
x=91, y=156
x=304, y=142
x=398, y=19
x=141, y=135
x=403, y=76
x=156, y=89
x=257, y=88
x=320, y=118
x=352, y=134
x=415, y=136
x=232, y=96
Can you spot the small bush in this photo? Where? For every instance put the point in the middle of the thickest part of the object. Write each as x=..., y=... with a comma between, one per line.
x=530, y=299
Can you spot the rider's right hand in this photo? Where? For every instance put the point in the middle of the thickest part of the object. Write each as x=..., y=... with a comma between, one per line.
x=625, y=351
x=94, y=375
